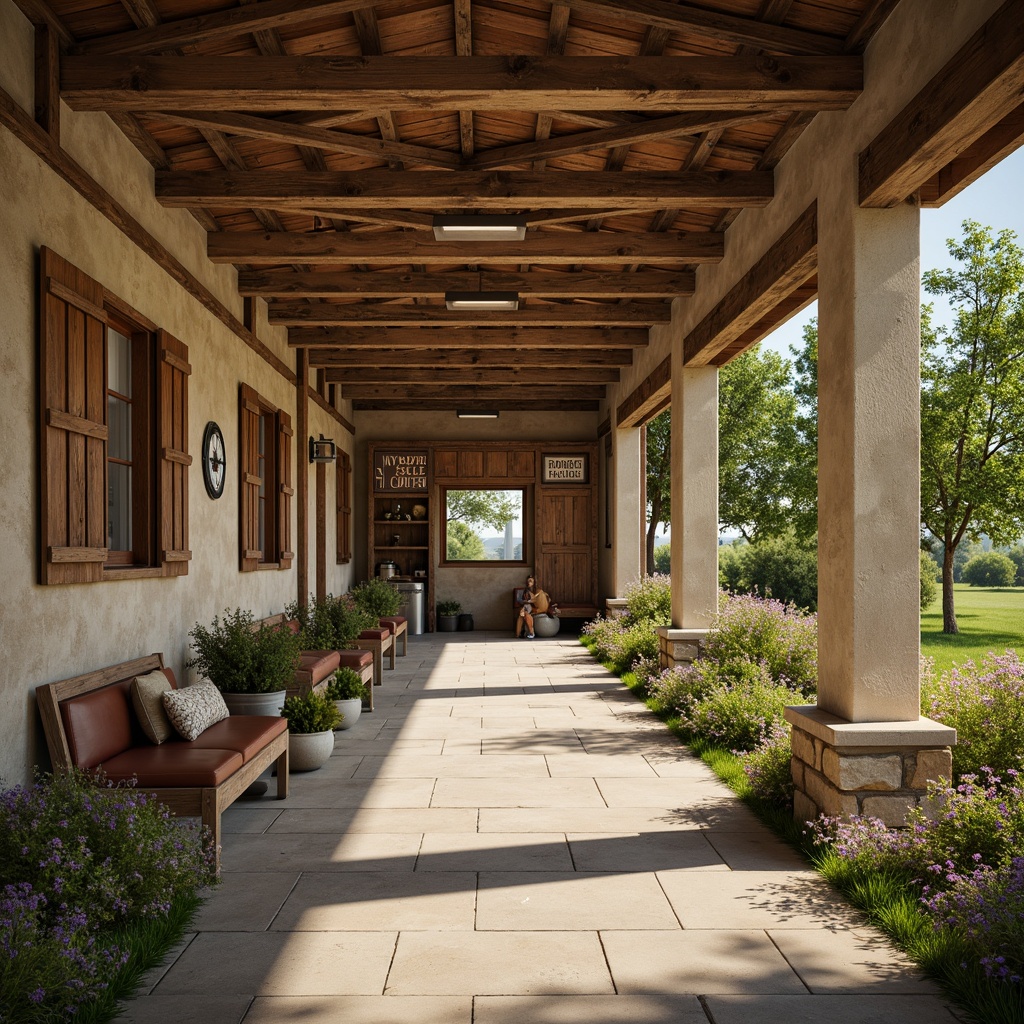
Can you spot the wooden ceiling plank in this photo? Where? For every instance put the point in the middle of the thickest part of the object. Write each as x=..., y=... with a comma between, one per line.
x=670, y=127
x=479, y=393
x=520, y=82
x=441, y=357
x=283, y=283
x=228, y=24
x=715, y=24
x=647, y=398
x=415, y=247
x=365, y=314
x=786, y=265
x=496, y=190
x=975, y=90
x=455, y=375
x=377, y=338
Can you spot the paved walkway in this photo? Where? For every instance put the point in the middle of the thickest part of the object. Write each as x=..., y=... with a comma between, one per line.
x=511, y=838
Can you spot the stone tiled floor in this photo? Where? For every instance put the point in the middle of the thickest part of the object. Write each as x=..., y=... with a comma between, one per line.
x=510, y=838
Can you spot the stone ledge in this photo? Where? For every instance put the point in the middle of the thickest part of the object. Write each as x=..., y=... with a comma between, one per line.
x=838, y=732
x=674, y=635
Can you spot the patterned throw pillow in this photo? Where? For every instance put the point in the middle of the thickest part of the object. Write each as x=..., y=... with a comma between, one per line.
x=194, y=709
x=147, y=699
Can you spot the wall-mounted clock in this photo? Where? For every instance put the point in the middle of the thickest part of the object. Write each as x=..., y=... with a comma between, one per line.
x=214, y=460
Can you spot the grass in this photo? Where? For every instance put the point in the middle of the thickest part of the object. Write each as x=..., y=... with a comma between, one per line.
x=990, y=619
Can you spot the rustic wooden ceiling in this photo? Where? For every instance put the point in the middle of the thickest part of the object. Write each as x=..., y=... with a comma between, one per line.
x=316, y=139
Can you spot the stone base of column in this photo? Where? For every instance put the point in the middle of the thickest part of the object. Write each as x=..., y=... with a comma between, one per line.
x=614, y=607
x=877, y=769
x=680, y=646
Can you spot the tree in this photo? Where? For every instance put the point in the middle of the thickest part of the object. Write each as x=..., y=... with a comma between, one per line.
x=803, y=481
x=972, y=400
x=659, y=479
x=463, y=544
x=483, y=508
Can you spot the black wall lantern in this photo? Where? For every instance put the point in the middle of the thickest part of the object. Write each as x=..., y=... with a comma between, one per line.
x=322, y=449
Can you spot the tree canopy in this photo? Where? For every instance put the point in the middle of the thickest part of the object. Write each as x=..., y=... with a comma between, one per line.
x=483, y=508
x=972, y=399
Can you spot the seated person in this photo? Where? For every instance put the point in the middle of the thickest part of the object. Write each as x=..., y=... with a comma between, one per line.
x=534, y=600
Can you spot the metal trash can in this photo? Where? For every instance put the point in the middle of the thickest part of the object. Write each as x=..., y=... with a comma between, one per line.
x=413, y=605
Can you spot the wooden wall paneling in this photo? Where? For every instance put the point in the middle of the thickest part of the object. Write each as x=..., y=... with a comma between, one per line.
x=471, y=464
x=446, y=464
x=524, y=464
x=496, y=465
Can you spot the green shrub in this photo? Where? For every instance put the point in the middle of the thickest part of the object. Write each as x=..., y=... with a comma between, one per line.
x=730, y=566
x=1016, y=555
x=985, y=704
x=331, y=624
x=738, y=716
x=448, y=608
x=377, y=597
x=311, y=712
x=649, y=599
x=635, y=642
x=929, y=587
x=990, y=569
x=663, y=559
x=779, y=567
x=678, y=688
x=768, y=768
x=238, y=656
x=346, y=684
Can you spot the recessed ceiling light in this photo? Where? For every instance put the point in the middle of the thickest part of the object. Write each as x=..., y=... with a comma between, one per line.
x=470, y=414
x=478, y=228
x=479, y=301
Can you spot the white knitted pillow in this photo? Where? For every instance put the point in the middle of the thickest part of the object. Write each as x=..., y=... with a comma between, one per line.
x=194, y=709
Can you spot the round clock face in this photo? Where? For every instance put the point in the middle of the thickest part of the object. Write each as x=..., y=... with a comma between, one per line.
x=214, y=460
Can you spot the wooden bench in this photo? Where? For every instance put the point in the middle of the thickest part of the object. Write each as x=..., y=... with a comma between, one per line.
x=378, y=642
x=90, y=724
x=399, y=627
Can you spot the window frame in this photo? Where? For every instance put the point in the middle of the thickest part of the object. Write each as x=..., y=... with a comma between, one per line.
x=343, y=508
x=524, y=490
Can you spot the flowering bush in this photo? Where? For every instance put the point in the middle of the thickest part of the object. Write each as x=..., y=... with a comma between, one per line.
x=738, y=716
x=985, y=704
x=767, y=766
x=678, y=688
x=77, y=860
x=649, y=599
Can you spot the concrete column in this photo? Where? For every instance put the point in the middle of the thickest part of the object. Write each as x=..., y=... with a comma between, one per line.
x=629, y=494
x=864, y=748
x=694, y=509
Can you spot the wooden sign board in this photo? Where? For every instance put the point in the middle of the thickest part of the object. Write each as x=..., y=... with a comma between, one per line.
x=565, y=469
x=400, y=471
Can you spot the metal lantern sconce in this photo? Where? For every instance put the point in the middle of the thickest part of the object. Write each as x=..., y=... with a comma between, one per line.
x=322, y=449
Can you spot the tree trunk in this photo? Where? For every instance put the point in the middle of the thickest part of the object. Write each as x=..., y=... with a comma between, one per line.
x=948, y=612
x=651, y=530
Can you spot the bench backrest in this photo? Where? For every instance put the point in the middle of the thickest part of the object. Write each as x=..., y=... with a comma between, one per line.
x=89, y=718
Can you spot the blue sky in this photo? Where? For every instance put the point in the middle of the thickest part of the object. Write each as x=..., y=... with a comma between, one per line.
x=995, y=200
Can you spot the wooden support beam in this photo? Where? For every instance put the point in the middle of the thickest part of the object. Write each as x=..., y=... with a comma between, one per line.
x=787, y=307
x=730, y=28
x=481, y=393
x=464, y=375
x=517, y=82
x=47, y=80
x=363, y=314
x=302, y=390
x=464, y=48
x=788, y=264
x=425, y=403
x=474, y=357
x=671, y=247
x=382, y=285
x=976, y=89
x=485, y=337
x=492, y=190
x=647, y=398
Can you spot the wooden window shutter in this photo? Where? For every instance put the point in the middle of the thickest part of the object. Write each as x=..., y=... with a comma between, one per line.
x=284, y=491
x=73, y=424
x=174, y=460
x=343, y=521
x=249, y=489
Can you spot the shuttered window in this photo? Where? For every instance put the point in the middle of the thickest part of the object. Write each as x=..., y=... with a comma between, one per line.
x=343, y=485
x=113, y=419
x=265, y=452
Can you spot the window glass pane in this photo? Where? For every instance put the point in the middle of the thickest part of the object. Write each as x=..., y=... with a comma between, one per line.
x=119, y=424
x=119, y=363
x=484, y=526
x=119, y=531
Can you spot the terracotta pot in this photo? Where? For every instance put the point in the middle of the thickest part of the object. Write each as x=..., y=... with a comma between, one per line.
x=308, y=751
x=255, y=703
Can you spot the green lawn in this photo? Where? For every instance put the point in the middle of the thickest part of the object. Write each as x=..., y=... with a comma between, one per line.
x=990, y=619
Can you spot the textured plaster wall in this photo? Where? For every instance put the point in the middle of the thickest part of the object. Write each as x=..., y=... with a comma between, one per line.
x=49, y=633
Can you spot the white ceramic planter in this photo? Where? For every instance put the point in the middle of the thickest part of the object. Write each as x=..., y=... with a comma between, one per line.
x=255, y=703
x=350, y=711
x=546, y=625
x=308, y=751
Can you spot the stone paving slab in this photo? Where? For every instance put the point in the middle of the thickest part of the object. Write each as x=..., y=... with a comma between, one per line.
x=186, y=1009
x=358, y=851
x=495, y=851
x=246, y=901
x=348, y=820
x=516, y=793
x=588, y=1010
x=326, y=792
x=362, y=1010
x=648, y=851
x=470, y=766
x=806, y=1009
x=588, y=819
x=589, y=766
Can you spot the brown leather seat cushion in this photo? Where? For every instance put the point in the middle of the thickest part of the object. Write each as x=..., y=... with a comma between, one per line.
x=99, y=724
x=356, y=659
x=396, y=620
x=245, y=734
x=315, y=666
x=375, y=634
x=173, y=764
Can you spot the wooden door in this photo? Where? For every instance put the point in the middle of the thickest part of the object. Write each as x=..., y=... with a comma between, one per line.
x=566, y=539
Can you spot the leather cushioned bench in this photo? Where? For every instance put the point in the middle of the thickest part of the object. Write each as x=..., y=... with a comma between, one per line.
x=377, y=640
x=399, y=626
x=90, y=724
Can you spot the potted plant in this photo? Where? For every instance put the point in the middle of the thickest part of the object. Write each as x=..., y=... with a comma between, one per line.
x=377, y=597
x=311, y=722
x=348, y=692
x=251, y=664
x=448, y=616
x=331, y=624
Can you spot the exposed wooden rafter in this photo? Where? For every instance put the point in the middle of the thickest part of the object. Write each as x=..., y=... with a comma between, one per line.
x=555, y=339
x=478, y=357
x=507, y=376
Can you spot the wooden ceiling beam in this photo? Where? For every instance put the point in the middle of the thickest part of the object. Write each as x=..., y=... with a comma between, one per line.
x=478, y=357
x=465, y=375
x=714, y=24
x=669, y=127
x=517, y=82
x=787, y=264
x=786, y=308
x=578, y=247
x=490, y=190
x=364, y=314
x=648, y=398
x=976, y=89
x=316, y=138
x=556, y=339
x=382, y=285
x=422, y=403
x=481, y=393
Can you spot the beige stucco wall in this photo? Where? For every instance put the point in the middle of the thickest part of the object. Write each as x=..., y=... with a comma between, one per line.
x=49, y=633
